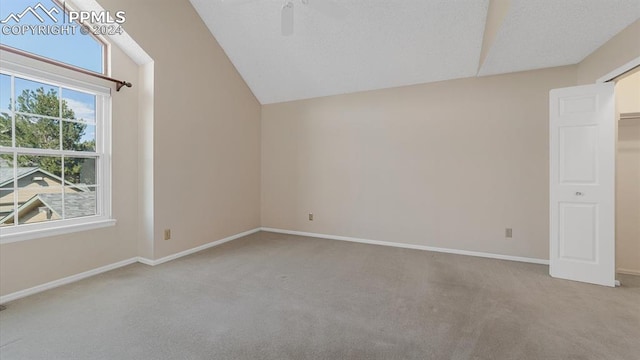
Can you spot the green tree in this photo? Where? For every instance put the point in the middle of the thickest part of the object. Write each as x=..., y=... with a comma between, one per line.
x=44, y=133
x=5, y=129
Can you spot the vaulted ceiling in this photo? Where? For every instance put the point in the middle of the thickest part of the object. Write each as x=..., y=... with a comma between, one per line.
x=344, y=46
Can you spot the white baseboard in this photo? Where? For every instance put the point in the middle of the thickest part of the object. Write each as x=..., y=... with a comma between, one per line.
x=628, y=271
x=144, y=260
x=195, y=249
x=64, y=281
x=412, y=246
x=73, y=278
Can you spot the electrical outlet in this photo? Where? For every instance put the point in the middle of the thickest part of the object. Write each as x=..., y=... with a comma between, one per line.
x=508, y=232
x=310, y=216
x=167, y=234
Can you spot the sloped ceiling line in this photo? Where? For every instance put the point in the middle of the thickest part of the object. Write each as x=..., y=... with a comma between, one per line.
x=389, y=43
x=495, y=17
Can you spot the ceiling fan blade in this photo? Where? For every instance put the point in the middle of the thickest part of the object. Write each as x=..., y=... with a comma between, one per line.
x=327, y=7
x=287, y=18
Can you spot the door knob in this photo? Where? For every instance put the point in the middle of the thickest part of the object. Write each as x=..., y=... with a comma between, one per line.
x=578, y=193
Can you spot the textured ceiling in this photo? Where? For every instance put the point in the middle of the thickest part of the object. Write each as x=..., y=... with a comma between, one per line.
x=378, y=44
x=546, y=33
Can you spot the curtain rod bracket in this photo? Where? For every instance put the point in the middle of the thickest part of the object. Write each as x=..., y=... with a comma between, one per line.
x=120, y=84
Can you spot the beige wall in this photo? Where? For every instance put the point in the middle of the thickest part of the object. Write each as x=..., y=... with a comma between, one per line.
x=628, y=93
x=628, y=177
x=206, y=124
x=621, y=49
x=368, y=165
x=146, y=236
x=449, y=164
x=29, y=263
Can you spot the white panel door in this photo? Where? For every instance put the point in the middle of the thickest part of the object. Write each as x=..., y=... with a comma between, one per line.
x=582, y=174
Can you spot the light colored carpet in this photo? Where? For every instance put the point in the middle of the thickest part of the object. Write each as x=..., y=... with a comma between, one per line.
x=273, y=296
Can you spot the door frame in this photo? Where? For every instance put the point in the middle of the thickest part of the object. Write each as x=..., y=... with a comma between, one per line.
x=612, y=75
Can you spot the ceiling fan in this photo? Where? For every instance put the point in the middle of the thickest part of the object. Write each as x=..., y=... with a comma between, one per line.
x=327, y=7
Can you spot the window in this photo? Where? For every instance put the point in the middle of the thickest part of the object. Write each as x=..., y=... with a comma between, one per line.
x=54, y=153
x=54, y=125
x=22, y=21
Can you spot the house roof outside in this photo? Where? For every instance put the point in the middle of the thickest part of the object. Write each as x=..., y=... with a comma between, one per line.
x=6, y=173
x=6, y=176
x=76, y=205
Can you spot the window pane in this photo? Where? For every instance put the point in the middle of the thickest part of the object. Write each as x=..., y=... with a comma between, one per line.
x=37, y=132
x=78, y=136
x=6, y=207
x=5, y=129
x=79, y=203
x=5, y=91
x=6, y=170
x=34, y=207
x=39, y=171
x=78, y=105
x=61, y=47
x=36, y=98
x=80, y=171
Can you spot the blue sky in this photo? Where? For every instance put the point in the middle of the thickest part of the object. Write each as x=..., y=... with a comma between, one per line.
x=59, y=47
x=63, y=48
x=5, y=91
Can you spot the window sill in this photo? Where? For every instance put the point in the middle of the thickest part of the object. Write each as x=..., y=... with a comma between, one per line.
x=68, y=228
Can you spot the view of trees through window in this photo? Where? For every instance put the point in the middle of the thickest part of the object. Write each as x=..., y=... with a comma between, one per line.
x=44, y=133
x=51, y=139
x=52, y=132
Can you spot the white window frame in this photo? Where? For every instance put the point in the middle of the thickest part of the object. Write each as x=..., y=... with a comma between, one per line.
x=19, y=66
